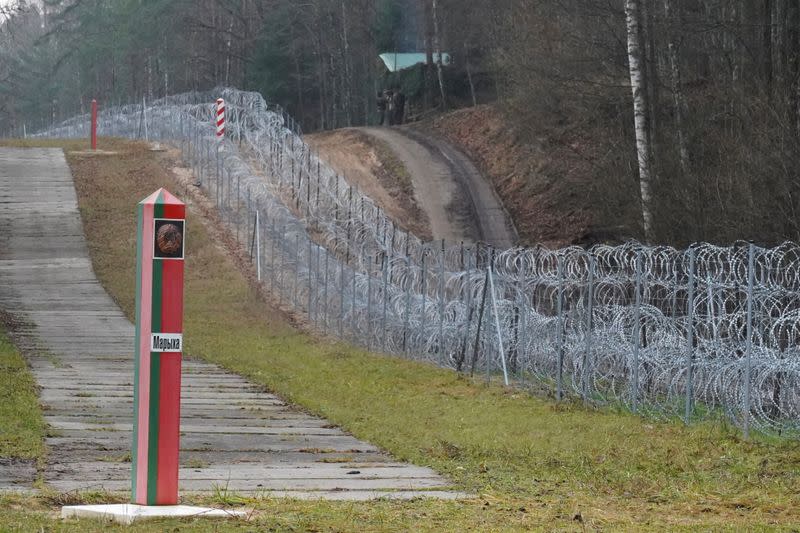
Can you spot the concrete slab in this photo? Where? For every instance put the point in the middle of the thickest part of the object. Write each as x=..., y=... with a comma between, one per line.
x=126, y=513
x=258, y=485
x=17, y=474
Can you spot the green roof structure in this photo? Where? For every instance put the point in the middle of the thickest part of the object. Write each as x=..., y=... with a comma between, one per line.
x=396, y=61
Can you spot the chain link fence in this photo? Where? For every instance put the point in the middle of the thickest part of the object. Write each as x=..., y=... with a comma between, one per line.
x=707, y=332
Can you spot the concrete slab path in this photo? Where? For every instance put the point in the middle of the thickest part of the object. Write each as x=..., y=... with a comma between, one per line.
x=235, y=435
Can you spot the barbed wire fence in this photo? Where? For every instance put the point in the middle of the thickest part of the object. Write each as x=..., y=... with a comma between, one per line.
x=707, y=332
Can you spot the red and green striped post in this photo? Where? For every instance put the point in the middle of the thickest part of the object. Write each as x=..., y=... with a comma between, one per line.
x=159, y=342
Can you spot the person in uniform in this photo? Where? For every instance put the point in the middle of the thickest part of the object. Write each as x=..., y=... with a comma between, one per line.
x=390, y=114
x=382, y=105
x=399, y=107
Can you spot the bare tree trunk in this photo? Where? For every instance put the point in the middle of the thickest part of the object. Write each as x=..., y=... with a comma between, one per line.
x=429, y=33
x=320, y=54
x=334, y=122
x=793, y=37
x=640, y=111
x=767, y=46
x=298, y=74
x=651, y=74
x=347, y=82
x=679, y=101
x=438, y=47
x=228, y=43
x=780, y=44
x=323, y=87
x=149, y=70
x=469, y=76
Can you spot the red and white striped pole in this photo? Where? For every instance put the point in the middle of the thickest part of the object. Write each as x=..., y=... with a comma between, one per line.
x=220, y=121
x=159, y=343
x=94, y=124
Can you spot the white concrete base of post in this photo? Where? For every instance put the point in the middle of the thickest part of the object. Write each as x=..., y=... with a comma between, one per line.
x=127, y=513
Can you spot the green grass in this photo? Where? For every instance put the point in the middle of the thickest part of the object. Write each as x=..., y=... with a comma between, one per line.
x=532, y=464
x=21, y=423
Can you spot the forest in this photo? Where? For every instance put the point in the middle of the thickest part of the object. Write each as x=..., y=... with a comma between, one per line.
x=686, y=112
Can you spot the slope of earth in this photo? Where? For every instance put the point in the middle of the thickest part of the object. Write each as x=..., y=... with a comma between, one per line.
x=536, y=464
x=459, y=201
x=370, y=164
x=541, y=180
x=422, y=181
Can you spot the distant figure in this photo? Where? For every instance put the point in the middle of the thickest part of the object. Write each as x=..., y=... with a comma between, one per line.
x=382, y=105
x=390, y=113
x=399, y=107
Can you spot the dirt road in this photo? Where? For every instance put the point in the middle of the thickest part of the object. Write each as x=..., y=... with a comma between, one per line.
x=460, y=203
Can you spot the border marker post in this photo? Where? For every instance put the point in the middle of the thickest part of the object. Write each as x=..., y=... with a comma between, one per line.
x=220, y=119
x=157, y=371
x=159, y=344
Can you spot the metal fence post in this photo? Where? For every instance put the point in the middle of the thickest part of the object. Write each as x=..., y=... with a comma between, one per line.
x=272, y=240
x=219, y=177
x=465, y=341
x=636, y=337
x=587, y=354
x=749, y=346
x=386, y=265
x=341, y=299
x=229, y=203
x=442, y=351
x=497, y=323
x=520, y=327
x=317, y=254
x=226, y=201
x=353, y=321
x=208, y=169
x=407, y=312
x=481, y=311
x=249, y=211
x=281, y=267
x=325, y=293
x=198, y=156
x=258, y=245
x=310, y=294
x=690, y=339
x=711, y=318
x=424, y=290
x=369, y=304
x=238, y=206
x=296, y=284
x=560, y=338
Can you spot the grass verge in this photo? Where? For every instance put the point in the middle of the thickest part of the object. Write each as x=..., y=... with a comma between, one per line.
x=21, y=422
x=533, y=464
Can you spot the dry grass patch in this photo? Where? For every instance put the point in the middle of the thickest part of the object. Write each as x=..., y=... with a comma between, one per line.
x=22, y=427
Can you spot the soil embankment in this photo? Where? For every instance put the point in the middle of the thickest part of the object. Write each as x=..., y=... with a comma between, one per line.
x=540, y=178
x=415, y=175
x=370, y=164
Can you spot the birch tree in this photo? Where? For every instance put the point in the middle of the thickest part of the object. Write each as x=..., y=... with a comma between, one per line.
x=641, y=109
